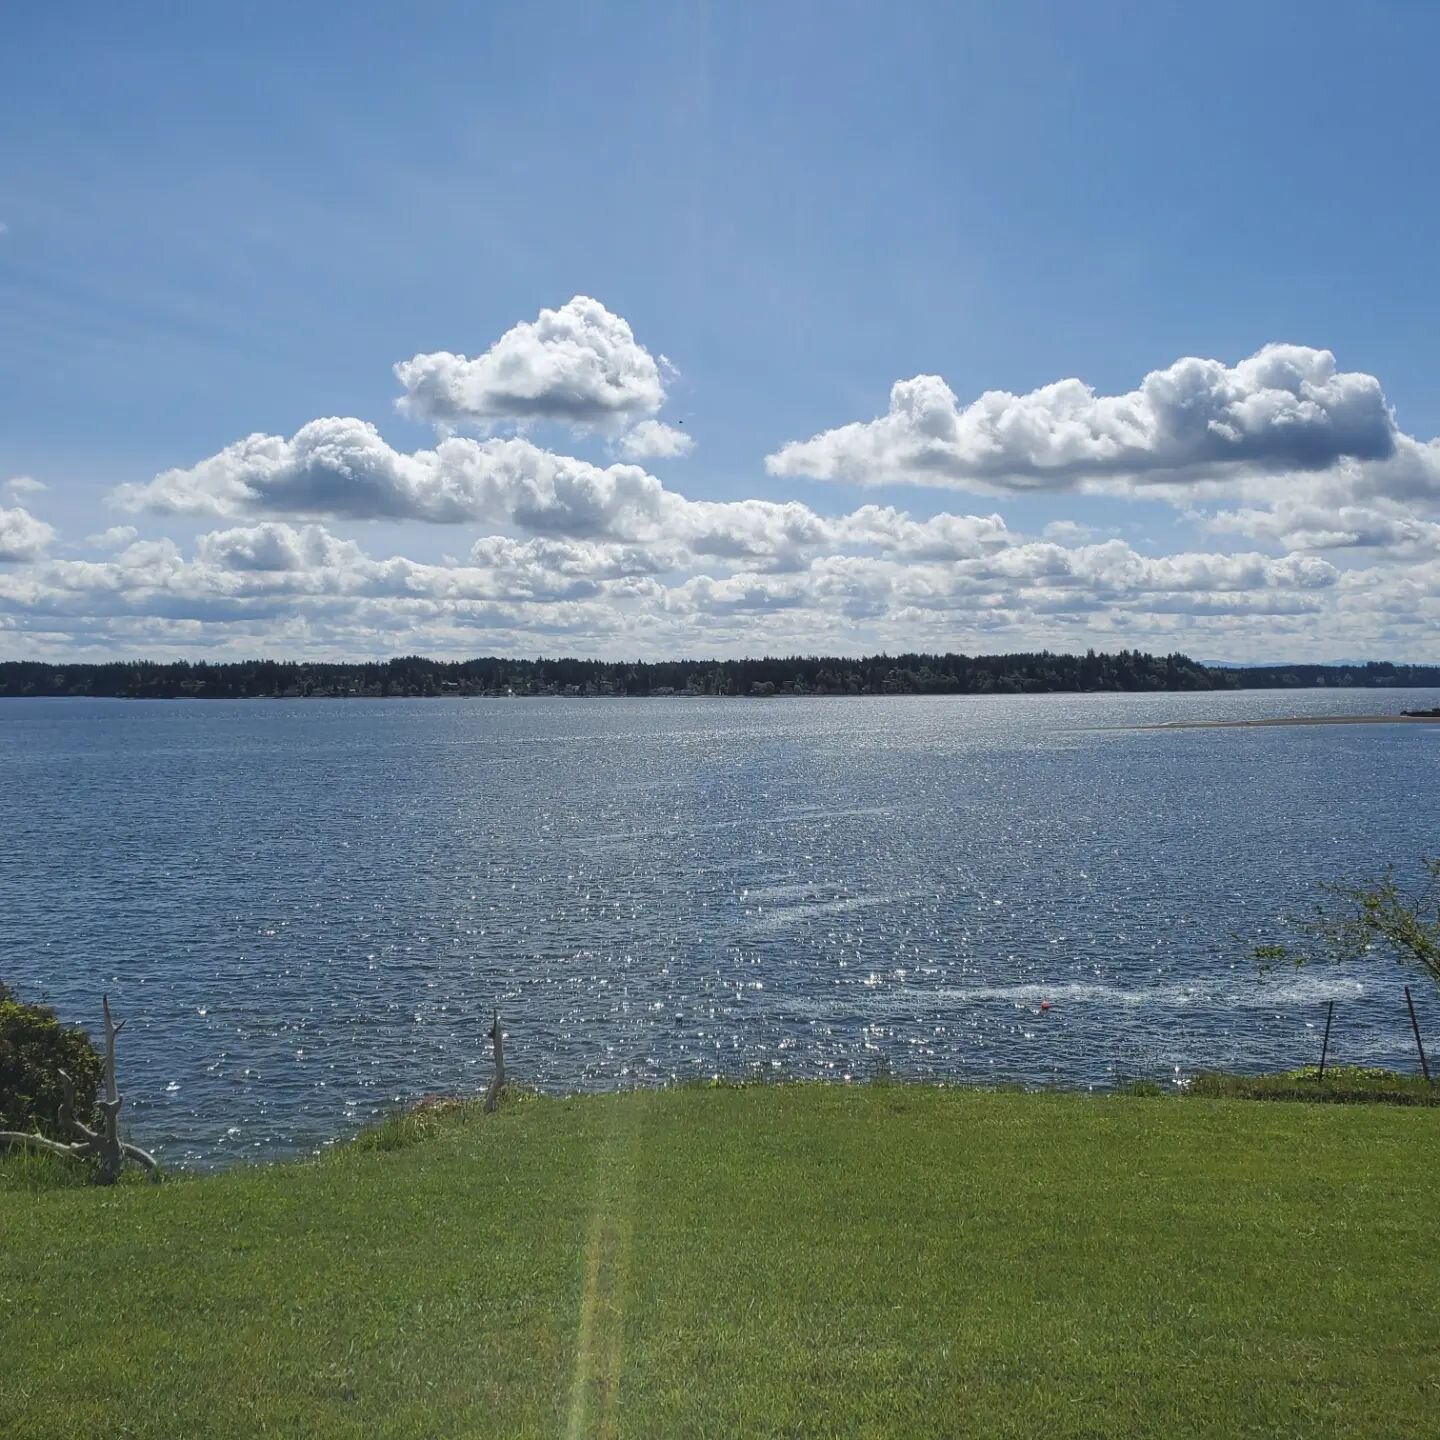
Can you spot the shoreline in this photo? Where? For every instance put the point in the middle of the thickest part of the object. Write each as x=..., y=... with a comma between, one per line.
x=7, y=695
x=1288, y=720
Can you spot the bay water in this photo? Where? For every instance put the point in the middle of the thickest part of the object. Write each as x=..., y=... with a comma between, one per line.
x=306, y=910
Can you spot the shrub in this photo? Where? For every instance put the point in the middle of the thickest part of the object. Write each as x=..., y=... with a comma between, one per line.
x=1346, y=1074
x=34, y=1048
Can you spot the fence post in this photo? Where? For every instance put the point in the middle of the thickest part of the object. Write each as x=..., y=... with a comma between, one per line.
x=1325, y=1044
x=1415, y=1026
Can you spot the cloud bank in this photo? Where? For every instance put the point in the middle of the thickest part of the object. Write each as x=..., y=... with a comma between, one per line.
x=1333, y=503
x=865, y=585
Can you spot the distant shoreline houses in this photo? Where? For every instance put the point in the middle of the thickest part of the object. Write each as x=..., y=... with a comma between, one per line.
x=590, y=690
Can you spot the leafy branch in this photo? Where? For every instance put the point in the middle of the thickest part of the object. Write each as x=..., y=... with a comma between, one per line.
x=1379, y=920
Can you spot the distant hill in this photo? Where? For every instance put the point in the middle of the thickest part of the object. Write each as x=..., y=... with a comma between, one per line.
x=1341, y=664
x=1364, y=674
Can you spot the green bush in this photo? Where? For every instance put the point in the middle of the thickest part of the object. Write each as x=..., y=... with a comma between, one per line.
x=34, y=1048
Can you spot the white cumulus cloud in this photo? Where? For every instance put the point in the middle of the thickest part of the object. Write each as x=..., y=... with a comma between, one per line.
x=1299, y=523
x=652, y=440
x=580, y=365
x=1286, y=408
x=604, y=558
x=116, y=537
x=22, y=536
x=344, y=469
x=273, y=547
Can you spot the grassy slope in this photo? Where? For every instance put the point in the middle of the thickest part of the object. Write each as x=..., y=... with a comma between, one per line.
x=783, y=1261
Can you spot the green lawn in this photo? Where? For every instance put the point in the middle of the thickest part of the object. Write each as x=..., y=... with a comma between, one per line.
x=777, y=1261
x=1340, y=1085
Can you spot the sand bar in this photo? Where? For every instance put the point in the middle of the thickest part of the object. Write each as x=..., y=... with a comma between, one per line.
x=1291, y=720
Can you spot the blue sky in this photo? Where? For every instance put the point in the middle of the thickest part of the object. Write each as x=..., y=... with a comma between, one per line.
x=228, y=220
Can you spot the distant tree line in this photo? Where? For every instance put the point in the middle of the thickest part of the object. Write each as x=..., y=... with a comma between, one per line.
x=912, y=674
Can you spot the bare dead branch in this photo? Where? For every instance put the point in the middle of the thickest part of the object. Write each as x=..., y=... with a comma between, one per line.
x=142, y=1157
x=111, y=1031
x=104, y=1146
x=39, y=1142
x=109, y=1151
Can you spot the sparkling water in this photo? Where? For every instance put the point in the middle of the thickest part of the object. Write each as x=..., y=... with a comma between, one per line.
x=306, y=909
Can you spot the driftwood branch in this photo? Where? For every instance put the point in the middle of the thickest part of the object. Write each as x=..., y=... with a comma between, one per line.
x=39, y=1142
x=497, y=1081
x=141, y=1157
x=68, y=1118
x=104, y=1146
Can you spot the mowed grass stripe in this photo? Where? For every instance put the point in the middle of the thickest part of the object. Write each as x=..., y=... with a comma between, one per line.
x=794, y=1260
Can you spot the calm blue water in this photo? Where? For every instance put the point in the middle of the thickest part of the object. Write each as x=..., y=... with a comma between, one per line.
x=306, y=909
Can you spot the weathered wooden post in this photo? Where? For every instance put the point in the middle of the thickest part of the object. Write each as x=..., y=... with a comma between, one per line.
x=497, y=1080
x=1415, y=1026
x=1325, y=1044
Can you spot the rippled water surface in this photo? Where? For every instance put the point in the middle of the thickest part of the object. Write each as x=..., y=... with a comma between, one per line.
x=306, y=908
